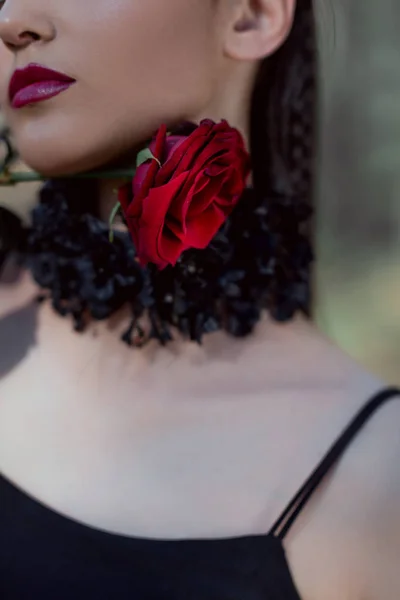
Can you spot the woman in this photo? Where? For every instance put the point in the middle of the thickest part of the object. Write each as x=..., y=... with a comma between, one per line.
x=162, y=470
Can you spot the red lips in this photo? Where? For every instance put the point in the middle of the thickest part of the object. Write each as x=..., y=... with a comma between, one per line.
x=36, y=83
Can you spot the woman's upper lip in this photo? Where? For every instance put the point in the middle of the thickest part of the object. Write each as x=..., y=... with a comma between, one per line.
x=34, y=73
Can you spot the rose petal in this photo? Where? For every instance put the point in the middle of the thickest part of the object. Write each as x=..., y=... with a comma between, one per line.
x=145, y=174
x=172, y=144
x=169, y=248
x=148, y=250
x=202, y=229
x=206, y=192
x=158, y=200
x=181, y=203
x=178, y=228
x=185, y=155
x=184, y=203
x=146, y=218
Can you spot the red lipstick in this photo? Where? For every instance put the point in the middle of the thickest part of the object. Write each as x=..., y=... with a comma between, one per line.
x=36, y=83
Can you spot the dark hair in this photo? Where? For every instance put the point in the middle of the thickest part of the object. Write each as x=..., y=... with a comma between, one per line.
x=260, y=259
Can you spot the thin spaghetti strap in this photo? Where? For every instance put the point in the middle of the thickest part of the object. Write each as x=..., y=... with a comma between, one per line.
x=291, y=512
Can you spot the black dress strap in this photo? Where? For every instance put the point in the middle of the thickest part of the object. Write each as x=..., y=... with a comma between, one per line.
x=289, y=515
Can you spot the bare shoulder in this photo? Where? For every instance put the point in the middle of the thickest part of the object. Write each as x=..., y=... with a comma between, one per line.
x=350, y=530
x=376, y=460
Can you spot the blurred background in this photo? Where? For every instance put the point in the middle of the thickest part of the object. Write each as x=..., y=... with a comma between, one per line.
x=358, y=276
x=358, y=191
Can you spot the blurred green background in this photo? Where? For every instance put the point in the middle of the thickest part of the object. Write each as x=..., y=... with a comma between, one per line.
x=358, y=275
x=358, y=190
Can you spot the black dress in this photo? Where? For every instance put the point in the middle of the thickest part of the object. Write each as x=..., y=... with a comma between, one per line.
x=46, y=556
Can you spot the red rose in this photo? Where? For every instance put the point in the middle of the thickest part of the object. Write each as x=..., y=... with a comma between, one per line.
x=181, y=199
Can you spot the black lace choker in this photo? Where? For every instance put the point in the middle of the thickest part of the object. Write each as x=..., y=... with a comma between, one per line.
x=260, y=259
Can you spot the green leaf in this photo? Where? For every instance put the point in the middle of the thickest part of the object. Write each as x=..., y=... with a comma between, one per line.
x=111, y=220
x=145, y=155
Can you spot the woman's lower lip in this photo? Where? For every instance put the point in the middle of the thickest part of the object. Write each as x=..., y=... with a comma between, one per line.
x=38, y=92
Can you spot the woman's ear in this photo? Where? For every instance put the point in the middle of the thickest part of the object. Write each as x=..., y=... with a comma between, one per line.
x=258, y=27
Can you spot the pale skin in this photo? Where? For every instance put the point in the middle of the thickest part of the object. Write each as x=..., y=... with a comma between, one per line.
x=187, y=441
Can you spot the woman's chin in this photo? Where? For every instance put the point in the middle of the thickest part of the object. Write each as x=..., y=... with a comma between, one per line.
x=57, y=166
x=58, y=161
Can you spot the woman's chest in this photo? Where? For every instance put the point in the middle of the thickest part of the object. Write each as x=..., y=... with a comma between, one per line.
x=151, y=467
x=180, y=482
x=150, y=463
x=155, y=462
